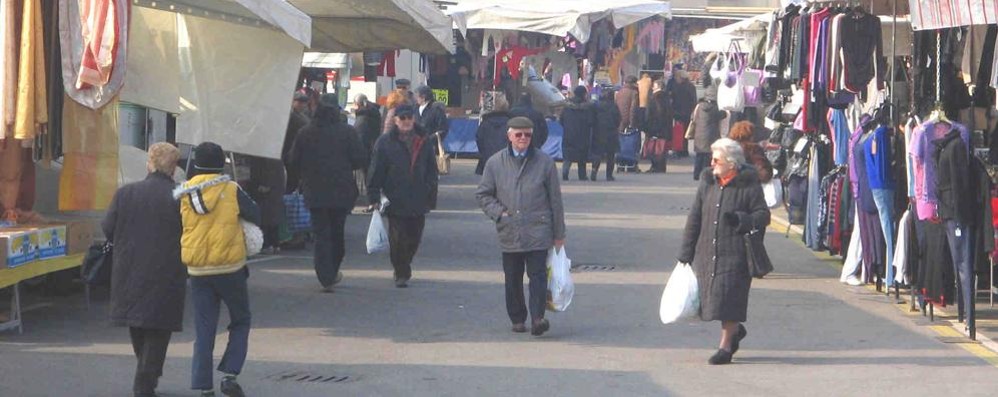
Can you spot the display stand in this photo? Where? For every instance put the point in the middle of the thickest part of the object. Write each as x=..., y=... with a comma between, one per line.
x=12, y=277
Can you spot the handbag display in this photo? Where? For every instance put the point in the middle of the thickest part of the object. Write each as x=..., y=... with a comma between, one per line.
x=758, y=259
x=443, y=160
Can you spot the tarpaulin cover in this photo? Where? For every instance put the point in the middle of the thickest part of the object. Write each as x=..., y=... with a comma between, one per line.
x=461, y=138
x=377, y=25
x=554, y=17
x=938, y=14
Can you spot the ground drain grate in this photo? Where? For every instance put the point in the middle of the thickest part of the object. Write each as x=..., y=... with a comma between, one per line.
x=592, y=267
x=305, y=377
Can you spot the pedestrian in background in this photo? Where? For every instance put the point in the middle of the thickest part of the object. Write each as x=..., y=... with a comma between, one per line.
x=148, y=284
x=578, y=120
x=683, y=95
x=395, y=99
x=266, y=187
x=297, y=120
x=326, y=153
x=658, y=129
x=367, y=122
x=525, y=108
x=491, y=133
x=404, y=170
x=214, y=250
x=743, y=132
x=606, y=144
x=521, y=193
x=627, y=100
x=402, y=87
x=706, y=129
x=729, y=204
x=431, y=115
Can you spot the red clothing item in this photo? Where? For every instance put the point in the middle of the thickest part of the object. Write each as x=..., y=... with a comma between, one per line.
x=99, y=23
x=510, y=58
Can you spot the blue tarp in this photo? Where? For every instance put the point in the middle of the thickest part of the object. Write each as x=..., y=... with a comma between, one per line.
x=461, y=138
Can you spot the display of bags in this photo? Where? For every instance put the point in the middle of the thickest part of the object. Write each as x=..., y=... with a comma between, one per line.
x=681, y=298
x=758, y=259
x=377, y=234
x=296, y=212
x=96, y=267
x=731, y=92
x=253, y=237
x=443, y=160
x=561, y=289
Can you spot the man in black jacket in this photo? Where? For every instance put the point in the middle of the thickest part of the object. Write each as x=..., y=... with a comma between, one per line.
x=525, y=108
x=431, y=115
x=326, y=152
x=405, y=171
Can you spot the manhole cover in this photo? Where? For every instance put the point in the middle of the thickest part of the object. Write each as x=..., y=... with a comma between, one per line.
x=592, y=267
x=307, y=377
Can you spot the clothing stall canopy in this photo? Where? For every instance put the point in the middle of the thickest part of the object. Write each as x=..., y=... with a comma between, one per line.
x=718, y=39
x=939, y=14
x=875, y=7
x=326, y=60
x=553, y=17
x=276, y=14
x=377, y=25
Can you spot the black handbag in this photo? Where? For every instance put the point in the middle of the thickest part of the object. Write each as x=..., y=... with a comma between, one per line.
x=758, y=259
x=96, y=267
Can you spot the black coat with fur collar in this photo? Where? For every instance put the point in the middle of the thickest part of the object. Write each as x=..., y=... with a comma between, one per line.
x=713, y=242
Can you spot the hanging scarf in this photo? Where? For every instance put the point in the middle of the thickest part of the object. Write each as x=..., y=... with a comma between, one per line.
x=100, y=42
x=32, y=103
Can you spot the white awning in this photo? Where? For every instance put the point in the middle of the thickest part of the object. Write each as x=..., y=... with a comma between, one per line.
x=377, y=25
x=325, y=60
x=277, y=14
x=554, y=17
x=719, y=39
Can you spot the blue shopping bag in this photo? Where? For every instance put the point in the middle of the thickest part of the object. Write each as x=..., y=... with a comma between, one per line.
x=297, y=214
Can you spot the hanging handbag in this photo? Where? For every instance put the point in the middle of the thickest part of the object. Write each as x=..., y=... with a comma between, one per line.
x=731, y=92
x=443, y=160
x=96, y=266
x=758, y=259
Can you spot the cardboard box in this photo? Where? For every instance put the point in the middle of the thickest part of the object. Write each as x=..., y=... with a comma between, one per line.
x=18, y=246
x=51, y=241
x=80, y=235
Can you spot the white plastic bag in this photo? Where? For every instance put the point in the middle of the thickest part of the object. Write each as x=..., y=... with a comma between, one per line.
x=377, y=235
x=253, y=237
x=560, y=286
x=681, y=298
x=773, y=190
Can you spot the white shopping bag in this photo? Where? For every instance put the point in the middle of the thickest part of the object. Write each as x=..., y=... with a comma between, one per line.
x=377, y=235
x=681, y=298
x=560, y=286
x=773, y=191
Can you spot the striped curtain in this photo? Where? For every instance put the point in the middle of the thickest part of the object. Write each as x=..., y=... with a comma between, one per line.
x=939, y=14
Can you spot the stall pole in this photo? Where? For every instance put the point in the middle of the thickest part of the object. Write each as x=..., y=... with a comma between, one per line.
x=15, y=311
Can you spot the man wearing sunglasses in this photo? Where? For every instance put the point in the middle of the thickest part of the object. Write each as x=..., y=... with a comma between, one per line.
x=521, y=192
x=404, y=169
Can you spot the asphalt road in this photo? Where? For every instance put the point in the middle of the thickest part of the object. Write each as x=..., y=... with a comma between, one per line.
x=448, y=335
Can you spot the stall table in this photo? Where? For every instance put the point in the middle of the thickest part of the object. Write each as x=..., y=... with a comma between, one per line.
x=12, y=277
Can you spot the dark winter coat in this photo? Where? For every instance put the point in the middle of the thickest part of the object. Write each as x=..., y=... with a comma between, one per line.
x=756, y=157
x=707, y=125
x=326, y=155
x=368, y=124
x=408, y=181
x=715, y=245
x=148, y=283
x=296, y=122
x=266, y=187
x=578, y=119
x=605, y=136
x=684, y=98
x=491, y=136
x=957, y=196
x=525, y=108
x=523, y=197
x=659, y=122
x=433, y=119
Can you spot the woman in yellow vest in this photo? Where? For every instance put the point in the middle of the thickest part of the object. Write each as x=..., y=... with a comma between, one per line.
x=213, y=249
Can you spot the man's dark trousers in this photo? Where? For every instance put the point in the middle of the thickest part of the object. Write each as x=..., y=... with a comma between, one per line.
x=404, y=236
x=328, y=224
x=150, y=351
x=535, y=264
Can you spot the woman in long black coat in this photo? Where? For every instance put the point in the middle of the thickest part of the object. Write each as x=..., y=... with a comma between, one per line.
x=578, y=120
x=606, y=143
x=491, y=133
x=729, y=203
x=148, y=283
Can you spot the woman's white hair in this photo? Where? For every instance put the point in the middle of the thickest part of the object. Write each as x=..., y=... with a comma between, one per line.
x=730, y=149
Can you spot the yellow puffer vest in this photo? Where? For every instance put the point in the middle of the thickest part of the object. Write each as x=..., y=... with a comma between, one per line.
x=213, y=237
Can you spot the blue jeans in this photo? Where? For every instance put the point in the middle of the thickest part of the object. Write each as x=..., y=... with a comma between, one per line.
x=885, y=207
x=961, y=247
x=207, y=293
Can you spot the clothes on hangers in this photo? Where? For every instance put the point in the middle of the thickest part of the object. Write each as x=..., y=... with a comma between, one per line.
x=651, y=37
x=921, y=149
x=509, y=59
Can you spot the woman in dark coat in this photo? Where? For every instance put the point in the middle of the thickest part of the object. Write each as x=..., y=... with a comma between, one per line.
x=266, y=187
x=148, y=284
x=578, y=120
x=729, y=203
x=659, y=127
x=367, y=122
x=491, y=134
x=606, y=144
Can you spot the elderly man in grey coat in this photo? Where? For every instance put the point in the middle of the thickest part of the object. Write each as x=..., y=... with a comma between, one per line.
x=520, y=191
